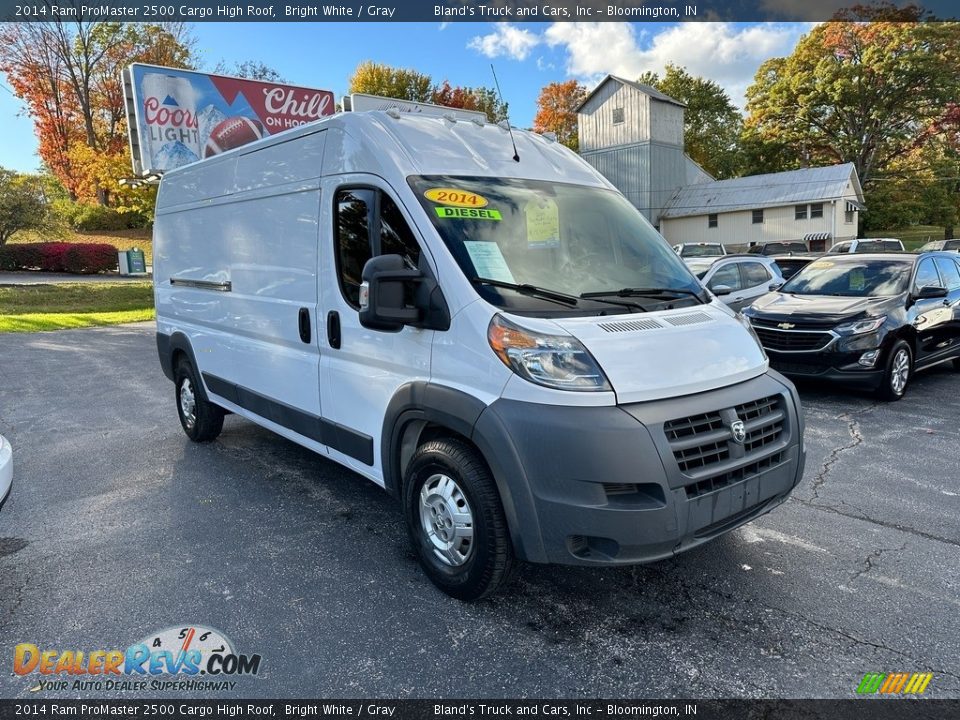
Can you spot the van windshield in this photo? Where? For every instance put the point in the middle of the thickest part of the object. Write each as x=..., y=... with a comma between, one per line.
x=568, y=239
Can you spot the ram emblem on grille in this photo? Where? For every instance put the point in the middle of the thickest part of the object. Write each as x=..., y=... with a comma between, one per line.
x=739, y=431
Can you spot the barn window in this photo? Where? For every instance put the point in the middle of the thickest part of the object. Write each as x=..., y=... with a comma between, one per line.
x=848, y=215
x=757, y=216
x=800, y=212
x=816, y=210
x=617, y=115
x=712, y=220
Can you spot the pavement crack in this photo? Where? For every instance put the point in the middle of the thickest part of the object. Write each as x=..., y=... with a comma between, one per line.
x=882, y=523
x=853, y=428
x=873, y=559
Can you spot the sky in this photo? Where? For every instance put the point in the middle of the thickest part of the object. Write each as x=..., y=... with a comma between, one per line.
x=526, y=56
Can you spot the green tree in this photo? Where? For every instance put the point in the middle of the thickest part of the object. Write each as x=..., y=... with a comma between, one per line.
x=379, y=79
x=22, y=204
x=711, y=122
x=858, y=90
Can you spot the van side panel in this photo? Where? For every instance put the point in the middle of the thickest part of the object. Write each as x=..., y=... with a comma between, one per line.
x=259, y=245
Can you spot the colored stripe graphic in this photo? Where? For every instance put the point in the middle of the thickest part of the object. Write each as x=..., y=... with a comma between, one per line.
x=894, y=683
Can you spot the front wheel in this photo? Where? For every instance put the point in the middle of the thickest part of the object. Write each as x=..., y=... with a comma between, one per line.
x=456, y=520
x=897, y=373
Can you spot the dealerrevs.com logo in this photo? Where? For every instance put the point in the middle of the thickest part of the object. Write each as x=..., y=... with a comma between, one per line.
x=172, y=659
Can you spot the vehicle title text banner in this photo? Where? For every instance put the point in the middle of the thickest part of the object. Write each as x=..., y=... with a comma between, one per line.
x=515, y=11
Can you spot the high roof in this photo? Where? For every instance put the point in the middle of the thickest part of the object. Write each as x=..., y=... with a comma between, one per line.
x=646, y=89
x=760, y=191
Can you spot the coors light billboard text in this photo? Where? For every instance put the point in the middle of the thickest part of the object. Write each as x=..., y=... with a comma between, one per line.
x=180, y=116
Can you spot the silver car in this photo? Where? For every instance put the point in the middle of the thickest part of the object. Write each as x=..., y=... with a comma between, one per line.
x=6, y=469
x=738, y=280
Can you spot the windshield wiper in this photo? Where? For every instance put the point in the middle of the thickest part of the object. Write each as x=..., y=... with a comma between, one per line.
x=529, y=290
x=642, y=292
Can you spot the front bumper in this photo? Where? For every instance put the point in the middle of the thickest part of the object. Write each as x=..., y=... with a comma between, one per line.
x=630, y=484
x=6, y=470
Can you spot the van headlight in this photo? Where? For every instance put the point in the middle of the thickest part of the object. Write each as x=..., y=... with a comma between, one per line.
x=860, y=326
x=745, y=321
x=555, y=361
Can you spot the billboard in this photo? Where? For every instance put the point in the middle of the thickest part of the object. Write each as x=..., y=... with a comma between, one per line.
x=359, y=102
x=176, y=117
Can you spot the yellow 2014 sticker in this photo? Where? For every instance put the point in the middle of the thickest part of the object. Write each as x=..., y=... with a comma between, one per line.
x=468, y=213
x=821, y=264
x=455, y=198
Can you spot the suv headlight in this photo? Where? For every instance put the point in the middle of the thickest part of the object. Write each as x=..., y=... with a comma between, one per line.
x=555, y=361
x=860, y=326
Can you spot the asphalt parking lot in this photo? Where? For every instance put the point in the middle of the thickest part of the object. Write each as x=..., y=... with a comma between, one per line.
x=120, y=526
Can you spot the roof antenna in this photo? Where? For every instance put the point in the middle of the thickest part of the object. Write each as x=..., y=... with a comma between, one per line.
x=516, y=155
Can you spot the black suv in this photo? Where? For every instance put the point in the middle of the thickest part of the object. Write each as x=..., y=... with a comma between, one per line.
x=867, y=320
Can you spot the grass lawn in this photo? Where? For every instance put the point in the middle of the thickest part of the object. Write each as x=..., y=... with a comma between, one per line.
x=913, y=236
x=120, y=239
x=28, y=308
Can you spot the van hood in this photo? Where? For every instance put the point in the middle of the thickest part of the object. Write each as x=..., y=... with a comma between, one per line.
x=656, y=355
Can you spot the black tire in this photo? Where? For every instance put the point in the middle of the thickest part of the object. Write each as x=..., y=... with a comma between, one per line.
x=473, y=568
x=891, y=388
x=205, y=421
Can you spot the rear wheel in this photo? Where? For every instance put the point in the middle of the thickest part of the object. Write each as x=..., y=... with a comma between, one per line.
x=202, y=421
x=897, y=373
x=456, y=520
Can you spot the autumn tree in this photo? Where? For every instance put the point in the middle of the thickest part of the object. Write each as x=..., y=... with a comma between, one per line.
x=483, y=99
x=711, y=122
x=557, y=111
x=374, y=78
x=22, y=204
x=68, y=76
x=860, y=89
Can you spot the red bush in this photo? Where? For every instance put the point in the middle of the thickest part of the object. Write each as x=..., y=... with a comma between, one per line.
x=59, y=257
x=90, y=258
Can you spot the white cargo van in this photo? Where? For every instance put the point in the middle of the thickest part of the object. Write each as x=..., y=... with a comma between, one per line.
x=506, y=345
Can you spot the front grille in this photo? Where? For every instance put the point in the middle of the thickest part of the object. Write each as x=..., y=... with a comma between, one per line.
x=769, y=425
x=701, y=441
x=797, y=368
x=718, y=482
x=792, y=340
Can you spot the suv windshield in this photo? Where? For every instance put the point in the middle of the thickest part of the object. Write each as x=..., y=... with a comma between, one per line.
x=568, y=239
x=849, y=277
x=701, y=251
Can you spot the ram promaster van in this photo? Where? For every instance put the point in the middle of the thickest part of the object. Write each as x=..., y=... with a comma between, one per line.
x=495, y=336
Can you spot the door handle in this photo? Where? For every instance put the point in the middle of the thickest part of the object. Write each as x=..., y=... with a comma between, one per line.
x=333, y=329
x=303, y=322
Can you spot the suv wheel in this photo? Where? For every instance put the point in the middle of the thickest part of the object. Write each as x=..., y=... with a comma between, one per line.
x=898, y=371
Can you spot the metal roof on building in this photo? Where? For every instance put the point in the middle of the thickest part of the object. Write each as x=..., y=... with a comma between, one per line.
x=792, y=187
x=646, y=89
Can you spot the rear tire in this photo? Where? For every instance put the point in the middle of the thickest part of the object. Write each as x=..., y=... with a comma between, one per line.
x=201, y=420
x=456, y=520
x=897, y=372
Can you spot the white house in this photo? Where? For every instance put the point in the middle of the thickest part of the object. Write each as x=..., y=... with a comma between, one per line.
x=633, y=134
x=817, y=205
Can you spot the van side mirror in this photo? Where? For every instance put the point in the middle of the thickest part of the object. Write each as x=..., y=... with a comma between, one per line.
x=774, y=286
x=393, y=295
x=719, y=290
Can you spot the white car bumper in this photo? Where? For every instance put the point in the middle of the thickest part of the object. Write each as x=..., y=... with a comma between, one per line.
x=6, y=469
